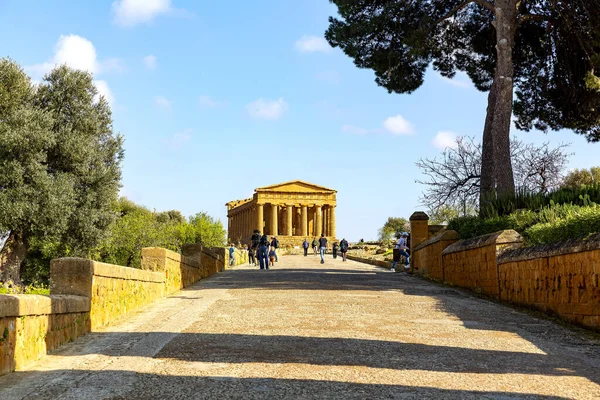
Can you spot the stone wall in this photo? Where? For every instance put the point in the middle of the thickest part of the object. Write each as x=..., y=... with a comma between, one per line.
x=86, y=295
x=32, y=325
x=114, y=291
x=426, y=259
x=472, y=263
x=561, y=279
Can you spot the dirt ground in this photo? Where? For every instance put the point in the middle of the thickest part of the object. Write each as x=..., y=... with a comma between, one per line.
x=306, y=330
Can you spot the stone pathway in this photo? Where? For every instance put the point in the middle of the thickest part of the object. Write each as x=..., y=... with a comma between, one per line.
x=305, y=330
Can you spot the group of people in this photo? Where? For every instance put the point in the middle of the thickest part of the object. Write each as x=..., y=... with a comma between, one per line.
x=320, y=246
x=262, y=251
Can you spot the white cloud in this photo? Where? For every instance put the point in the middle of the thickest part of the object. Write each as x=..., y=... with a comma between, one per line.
x=355, y=130
x=133, y=12
x=78, y=52
x=162, y=102
x=180, y=138
x=311, y=44
x=398, y=125
x=104, y=90
x=208, y=102
x=267, y=109
x=460, y=80
x=150, y=62
x=445, y=139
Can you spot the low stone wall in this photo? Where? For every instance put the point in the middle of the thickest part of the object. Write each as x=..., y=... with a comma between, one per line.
x=561, y=279
x=32, y=325
x=426, y=259
x=114, y=291
x=87, y=295
x=472, y=263
x=371, y=261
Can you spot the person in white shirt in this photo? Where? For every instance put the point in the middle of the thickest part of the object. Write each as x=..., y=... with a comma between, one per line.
x=400, y=250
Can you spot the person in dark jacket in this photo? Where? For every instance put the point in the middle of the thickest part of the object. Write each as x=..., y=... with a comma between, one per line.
x=334, y=250
x=305, y=246
x=263, y=252
x=323, y=247
x=344, y=248
x=315, y=245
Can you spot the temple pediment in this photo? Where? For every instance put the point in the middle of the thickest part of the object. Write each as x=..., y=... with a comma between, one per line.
x=296, y=187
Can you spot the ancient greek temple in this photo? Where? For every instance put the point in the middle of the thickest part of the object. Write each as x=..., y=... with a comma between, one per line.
x=291, y=211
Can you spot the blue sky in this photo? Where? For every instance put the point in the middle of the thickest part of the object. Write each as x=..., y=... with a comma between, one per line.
x=215, y=99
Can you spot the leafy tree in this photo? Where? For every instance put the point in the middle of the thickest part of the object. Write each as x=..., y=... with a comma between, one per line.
x=454, y=179
x=392, y=227
x=32, y=200
x=60, y=162
x=547, y=52
x=581, y=177
x=203, y=228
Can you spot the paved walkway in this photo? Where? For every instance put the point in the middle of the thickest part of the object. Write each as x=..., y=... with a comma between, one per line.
x=305, y=330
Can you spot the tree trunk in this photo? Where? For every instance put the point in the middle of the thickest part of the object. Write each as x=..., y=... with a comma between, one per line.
x=487, y=188
x=506, y=21
x=11, y=257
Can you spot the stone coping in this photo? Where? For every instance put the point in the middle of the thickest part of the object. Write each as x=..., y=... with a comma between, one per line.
x=419, y=216
x=502, y=237
x=551, y=250
x=119, y=272
x=194, y=247
x=95, y=268
x=446, y=235
x=159, y=252
x=18, y=305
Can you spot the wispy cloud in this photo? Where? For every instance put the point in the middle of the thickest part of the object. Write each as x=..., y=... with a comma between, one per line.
x=128, y=13
x=312, y=44
x=396, y=125
x=208, y=102
x=444, y=140
x=460, y=80
x=150, y=62
x=179, y=139
x=162, y=102
x=267, y=109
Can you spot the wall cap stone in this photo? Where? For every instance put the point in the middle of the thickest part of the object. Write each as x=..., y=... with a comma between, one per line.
x=18, y=305
x=551, y=250
x=445, y=235
x=419, y=216
x=498, y=238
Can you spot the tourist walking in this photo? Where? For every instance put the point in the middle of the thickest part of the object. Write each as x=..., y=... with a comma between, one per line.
x=272, y=258
x=334, y=250
x=274, y=247
x=344, y=248
x=315, y=245
x=231, y=255
x=305, y=247
x=322, y=247
x=251, y=259
x=263, y=252
x=400, y=250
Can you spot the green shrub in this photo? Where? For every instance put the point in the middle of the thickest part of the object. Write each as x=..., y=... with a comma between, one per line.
x=579, y=223
x=550, y=224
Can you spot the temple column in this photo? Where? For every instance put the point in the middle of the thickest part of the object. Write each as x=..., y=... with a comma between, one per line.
x=274, y=220
x=304, y=225
x=229, y=226
x=259, y=217
x=326, y=221
x=290, y=220
x=318, y=220
x=332, y=222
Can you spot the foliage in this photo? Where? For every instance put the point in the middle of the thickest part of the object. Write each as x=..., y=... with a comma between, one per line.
x=445, y=214
x=392, y=228
x=546, y=52
x=552, y=223
x=454, y=179
x=31, y=289
x=60, y=162
x=581, y=177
